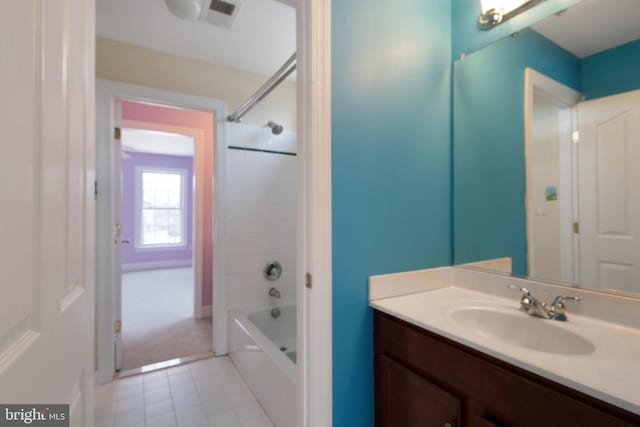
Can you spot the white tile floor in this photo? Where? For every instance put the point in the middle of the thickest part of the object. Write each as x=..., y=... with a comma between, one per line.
x=207, y=393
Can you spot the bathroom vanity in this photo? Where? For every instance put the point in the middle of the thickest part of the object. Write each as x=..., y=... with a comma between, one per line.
x=423, y=379
x=544, y=141
x=450, y=356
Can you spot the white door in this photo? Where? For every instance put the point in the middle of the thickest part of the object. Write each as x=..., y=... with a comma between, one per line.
x=609, y=179
x=47, y=193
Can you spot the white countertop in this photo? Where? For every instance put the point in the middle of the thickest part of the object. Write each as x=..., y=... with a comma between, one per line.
x=610, y=373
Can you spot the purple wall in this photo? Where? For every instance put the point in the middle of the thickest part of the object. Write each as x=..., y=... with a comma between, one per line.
x=129, y=253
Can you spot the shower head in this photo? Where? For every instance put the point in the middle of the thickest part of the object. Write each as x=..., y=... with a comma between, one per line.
x=276, y=129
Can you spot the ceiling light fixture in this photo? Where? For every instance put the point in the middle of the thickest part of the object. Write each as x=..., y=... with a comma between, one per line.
x=185, y=9
x=496, y=11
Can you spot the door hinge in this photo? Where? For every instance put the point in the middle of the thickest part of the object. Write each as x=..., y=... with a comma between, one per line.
x=576, y=228
x=575, y=136
x=95, y=189
x=117, y=326
x=118, y=230
x=117, y=133
x=308, y=280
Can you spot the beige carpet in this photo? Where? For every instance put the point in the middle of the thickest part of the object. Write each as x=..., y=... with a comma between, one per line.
x=157, y=317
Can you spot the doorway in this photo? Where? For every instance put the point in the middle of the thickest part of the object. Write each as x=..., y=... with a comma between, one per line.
x=160, y=317
x=551, y=161
x=314, y=206
x=165, y=216
x=131, y=277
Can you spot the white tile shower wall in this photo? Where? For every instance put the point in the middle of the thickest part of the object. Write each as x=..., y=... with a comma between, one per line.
x=261, y=215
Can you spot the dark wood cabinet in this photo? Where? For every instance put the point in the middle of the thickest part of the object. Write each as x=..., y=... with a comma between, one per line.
x=400, y=403
x=423, y=379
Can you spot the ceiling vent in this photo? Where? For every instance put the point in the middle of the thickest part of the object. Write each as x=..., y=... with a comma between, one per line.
x=221, y=13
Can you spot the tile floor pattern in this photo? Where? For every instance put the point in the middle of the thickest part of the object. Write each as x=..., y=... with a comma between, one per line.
x=206, y=393
x=157, y=317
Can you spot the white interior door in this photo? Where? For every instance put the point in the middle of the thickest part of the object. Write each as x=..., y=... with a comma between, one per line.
x=609, y=179
x=47, y=188
x=116, y=252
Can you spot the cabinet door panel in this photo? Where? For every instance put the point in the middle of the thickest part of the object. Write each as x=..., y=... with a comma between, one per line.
x=405, y=399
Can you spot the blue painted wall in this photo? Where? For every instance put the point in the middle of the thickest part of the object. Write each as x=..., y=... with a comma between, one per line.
x=467, y=37
x=613, y=71
x=488, y=144
x=391, y=169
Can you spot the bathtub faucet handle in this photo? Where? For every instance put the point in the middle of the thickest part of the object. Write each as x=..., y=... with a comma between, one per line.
x=272, y=271
x=274, y=293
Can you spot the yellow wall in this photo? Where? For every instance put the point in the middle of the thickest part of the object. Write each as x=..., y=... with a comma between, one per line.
x=128, y=63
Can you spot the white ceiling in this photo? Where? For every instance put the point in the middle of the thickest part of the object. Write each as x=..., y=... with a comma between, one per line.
x=261, y=39
x=155, y=142
x=593, y=26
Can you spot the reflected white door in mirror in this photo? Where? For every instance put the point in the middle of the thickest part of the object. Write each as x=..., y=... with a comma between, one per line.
x=581, y=195
x=582, y=198
x=609, y=203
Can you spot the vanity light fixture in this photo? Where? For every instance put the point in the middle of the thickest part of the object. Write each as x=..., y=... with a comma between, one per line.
x=496, y=11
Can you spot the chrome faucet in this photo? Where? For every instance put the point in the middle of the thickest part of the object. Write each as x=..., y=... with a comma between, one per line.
x=556, y=312
x=274, y=293
x=534, y=307
x=530, y=305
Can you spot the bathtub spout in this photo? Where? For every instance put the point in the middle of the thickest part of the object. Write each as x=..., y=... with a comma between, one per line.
x=274, y=293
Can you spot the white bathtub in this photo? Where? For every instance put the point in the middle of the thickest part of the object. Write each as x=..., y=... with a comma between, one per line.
x=256, y=343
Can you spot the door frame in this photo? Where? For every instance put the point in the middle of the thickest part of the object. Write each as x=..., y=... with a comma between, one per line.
x=604, y=250
x=107, y=92
x=313, y=214
x=313, y=209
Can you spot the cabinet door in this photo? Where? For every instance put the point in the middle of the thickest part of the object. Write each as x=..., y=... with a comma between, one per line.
x=406, y=399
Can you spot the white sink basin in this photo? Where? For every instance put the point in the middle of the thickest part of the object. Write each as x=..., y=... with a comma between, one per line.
x=521, y=330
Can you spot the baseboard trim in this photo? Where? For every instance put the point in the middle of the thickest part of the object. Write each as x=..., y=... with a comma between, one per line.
x=153, y=265
x=205, y=311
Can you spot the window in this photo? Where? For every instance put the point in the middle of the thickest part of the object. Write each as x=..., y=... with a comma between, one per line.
x=161, y=207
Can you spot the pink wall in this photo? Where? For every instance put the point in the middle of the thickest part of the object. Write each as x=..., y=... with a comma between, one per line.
x=190, y=119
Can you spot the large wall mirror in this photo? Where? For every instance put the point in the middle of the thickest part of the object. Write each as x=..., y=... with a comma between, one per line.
x=546, y=150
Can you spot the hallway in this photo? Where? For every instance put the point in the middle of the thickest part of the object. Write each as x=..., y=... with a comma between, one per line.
x=207, y=393
x=157, y=317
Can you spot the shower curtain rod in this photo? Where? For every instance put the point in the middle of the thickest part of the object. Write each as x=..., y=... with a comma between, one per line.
x=265, y=89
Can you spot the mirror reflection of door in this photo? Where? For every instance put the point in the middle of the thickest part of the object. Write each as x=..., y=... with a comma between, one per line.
x=598, y=206
x=609, y=181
